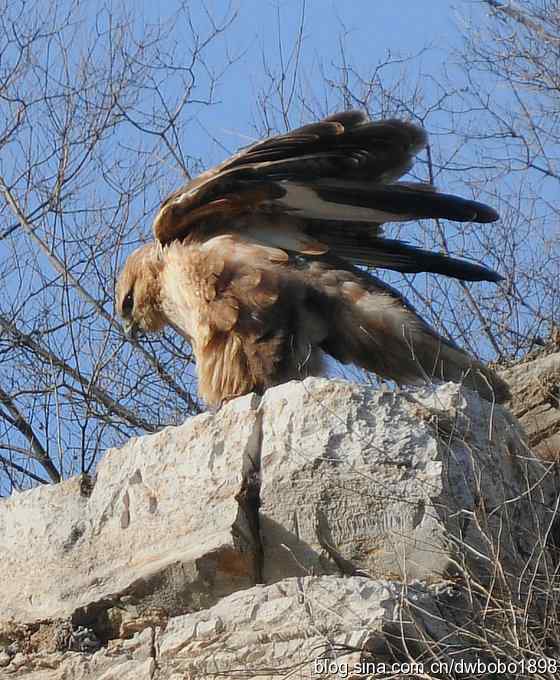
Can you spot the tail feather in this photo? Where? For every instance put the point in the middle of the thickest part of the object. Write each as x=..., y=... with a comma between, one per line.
x=372, y=325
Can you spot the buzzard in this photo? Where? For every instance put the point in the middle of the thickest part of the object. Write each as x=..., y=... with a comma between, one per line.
x=260, y=262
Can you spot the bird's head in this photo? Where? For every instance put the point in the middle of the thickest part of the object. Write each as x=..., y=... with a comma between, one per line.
x=137, y=295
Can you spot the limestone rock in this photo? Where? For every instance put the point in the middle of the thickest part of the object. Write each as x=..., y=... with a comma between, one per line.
x=364, y=481
x=162, y=526
x=300, y=625
x=323, y=518
x=535, y=388
x=272, y=631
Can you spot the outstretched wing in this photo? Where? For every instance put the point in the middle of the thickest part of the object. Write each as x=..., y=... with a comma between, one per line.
x=324, y=188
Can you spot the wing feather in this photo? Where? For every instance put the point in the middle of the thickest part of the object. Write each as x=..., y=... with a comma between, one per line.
x=324, y=187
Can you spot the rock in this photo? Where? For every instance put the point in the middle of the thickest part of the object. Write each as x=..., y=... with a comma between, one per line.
x=324, y=518
x=535, y=389
x=356, y=481
x=19, y=660
x=272, y=631
x=161, y=526
x=306, y=625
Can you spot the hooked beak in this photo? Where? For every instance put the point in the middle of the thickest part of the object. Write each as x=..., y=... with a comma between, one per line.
x=130, y=329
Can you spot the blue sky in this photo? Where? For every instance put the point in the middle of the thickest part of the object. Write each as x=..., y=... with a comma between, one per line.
x=370, y=30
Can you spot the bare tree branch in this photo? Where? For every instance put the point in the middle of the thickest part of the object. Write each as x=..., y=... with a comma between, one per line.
x=18, y=421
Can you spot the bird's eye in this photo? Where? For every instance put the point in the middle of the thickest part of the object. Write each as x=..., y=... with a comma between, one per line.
x=128, y=303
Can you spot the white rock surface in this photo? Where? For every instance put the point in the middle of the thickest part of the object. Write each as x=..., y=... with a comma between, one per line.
x=266, y=632
x=382, y=483
x=162, y=525
x=362, y=493
x=535, y=388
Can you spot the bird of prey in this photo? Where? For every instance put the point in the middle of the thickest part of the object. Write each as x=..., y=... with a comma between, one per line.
x=260, y=262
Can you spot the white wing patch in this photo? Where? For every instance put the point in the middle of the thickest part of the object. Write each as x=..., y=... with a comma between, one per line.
x=304, y=201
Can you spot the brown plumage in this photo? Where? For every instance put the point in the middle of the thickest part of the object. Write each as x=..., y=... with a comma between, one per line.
x=254, y=262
